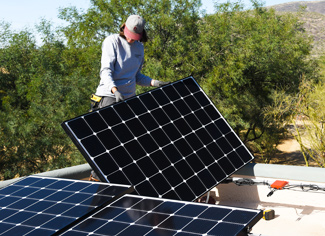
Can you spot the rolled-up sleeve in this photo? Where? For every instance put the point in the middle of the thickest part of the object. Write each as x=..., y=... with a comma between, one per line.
x=107, y=65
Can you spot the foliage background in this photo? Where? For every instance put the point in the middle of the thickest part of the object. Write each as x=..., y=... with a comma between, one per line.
x=241, y=57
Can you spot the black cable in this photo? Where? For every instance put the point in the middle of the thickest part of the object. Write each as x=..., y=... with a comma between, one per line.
x=305, y=187
x=271, y=192
x=250, y=182
x=241, y=182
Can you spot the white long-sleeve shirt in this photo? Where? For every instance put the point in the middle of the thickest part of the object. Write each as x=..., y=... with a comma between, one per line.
x=121, y=65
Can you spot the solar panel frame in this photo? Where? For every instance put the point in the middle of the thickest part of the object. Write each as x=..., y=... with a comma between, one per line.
x=48, y=206
x=146, y=129
x=140, y=215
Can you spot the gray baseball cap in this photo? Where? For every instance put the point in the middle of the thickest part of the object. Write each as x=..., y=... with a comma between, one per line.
x=134, y=26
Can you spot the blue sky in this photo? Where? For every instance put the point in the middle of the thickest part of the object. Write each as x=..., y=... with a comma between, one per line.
x=27, y=13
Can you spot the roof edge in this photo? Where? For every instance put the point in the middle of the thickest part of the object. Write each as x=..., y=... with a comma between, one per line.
x=289, y=172
x=301, y=173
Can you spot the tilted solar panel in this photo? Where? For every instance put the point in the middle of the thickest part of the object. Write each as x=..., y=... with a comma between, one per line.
x=45, y=206
x=138, y=215
x=170, y=142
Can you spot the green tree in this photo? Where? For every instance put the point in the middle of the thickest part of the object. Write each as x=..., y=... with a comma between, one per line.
x=48, y=84
x=171, y=26
x=247, y=56
x=245, y=60
x=40, y=88
x=240, y=57
x=304, y=115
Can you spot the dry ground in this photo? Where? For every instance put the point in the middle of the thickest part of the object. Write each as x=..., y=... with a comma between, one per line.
x=289, y=154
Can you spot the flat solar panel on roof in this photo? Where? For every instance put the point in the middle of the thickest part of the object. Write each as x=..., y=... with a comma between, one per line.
x=44, y=206
x=170, y=142
x=138, y=215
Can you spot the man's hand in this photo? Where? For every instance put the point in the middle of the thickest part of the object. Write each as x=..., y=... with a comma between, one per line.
x=158, y=83
x=118, y=96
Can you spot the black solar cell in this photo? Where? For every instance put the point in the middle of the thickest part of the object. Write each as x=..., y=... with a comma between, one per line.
x=169, y=142
x=44, y=206
x=138, y=215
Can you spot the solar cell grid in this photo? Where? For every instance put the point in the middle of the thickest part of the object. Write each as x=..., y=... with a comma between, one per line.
x=169, y=142
x=138, y=215
x=44, y=206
